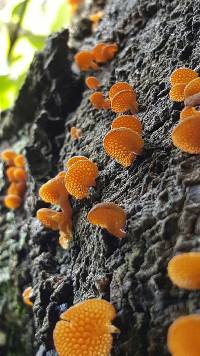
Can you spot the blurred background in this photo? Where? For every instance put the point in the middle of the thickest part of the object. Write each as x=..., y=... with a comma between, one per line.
x=24, y=26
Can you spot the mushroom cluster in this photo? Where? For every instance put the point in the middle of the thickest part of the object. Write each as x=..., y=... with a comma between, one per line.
x=101, y=53
x=186, y=86
x=54, y=192
x=16, y=175
x=26, y=296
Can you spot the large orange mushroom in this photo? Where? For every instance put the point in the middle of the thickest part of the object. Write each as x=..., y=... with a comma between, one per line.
x=183, y=270
x=129, y=121
x=186, y=135
x=85, y=329
x=109, y=216
x=80, y=177
x=183, y=336
x=123, y=144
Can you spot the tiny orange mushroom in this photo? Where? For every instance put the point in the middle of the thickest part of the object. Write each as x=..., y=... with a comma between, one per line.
x=177, y=92
x=109, y=216
x=129, y=121
x=182, y=75
x=117, y=87
x=95, y=18
x=16, y=188
x=12, y=201
x=19, y=161
x=8, y=156
x=98, y=101
x=80, y=177
x=19, y=174
x=110, y=50
x=47, y=217
x=92, y=83
x=85, y=60
x=75, y=159
x=26, y=296
x=54, y=192
x=10, y=174
x=192, y=93
x=85, y=329
x=189, y=111
x=123, y=101
x=183, y=270
x=98, y=54
x=186, y=135
x=75, y=133
x=123, y=145
x=183, y=336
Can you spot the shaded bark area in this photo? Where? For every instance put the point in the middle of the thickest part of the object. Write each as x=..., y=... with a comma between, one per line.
x=160, y=191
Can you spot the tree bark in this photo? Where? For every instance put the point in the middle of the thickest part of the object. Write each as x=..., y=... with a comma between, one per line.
x=160, y=191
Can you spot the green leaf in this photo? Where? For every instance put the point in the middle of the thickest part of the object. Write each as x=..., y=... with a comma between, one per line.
x=7, y=92
x=18, y=9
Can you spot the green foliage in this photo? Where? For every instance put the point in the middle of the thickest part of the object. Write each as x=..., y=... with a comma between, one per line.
x=24, y=26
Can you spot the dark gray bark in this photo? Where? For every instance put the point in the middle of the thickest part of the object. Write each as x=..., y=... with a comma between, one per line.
x=160, y=192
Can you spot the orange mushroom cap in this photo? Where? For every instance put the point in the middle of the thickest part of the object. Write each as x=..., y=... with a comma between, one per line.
x=177, y=92
x=129, y=121
x=109, y=216
x=10, y=174
x=26, y=296
x=92, y=83
x=8, y=156
x=47, y=218
x=12, y=201
x=19, y=161
x=19, y=174
x=183, y=270
x=75, y=133
x=183, y=336
x=189, y=111
x=110, y=50
x=192, y=93
x=84, y=60
x=186, y=135
x=16, y=188
x=97, y=53
x=97, y=99
x=85, y=329
x=123, y=101
x=123, y=144
x=117, y=87
x=53, y=190
x=95, y=18
x=80, y=176
x=182, y=75
x=75, y=159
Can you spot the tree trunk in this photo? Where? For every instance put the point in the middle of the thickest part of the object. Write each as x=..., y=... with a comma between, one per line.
x=160, y=191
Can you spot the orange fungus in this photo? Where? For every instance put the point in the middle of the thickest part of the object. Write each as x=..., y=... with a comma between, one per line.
x=182, y=75
x=183, y=270
x=123, y=101
x=75, y=159
x=123, y=145
x=84, y=60
x=189, y=111
x=129, y=121
x=26, y=296
x=92, y=83
x=85, y=329
x=177, y=92
x=186, y=135
x=80, y=177
x=8, y=156
x=109, y=216
x=12, y=201
x=98, y=101
x=75, y=133
x=183, y=336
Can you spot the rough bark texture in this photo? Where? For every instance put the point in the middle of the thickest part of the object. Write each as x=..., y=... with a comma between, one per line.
x=160, y=192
